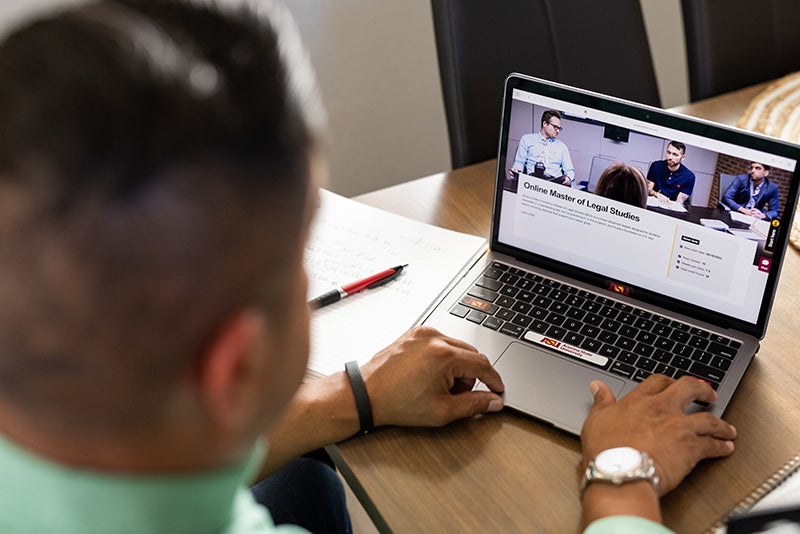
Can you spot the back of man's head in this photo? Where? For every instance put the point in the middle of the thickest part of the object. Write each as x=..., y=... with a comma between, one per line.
x=149, y=151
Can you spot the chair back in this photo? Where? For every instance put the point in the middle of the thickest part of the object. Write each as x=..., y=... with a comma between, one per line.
x=731, y=44
x=600, y=46
x=725, y=180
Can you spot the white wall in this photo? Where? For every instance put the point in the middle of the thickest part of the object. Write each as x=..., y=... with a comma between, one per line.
x=376, y=65
x=14, y=12
x=664, y=24
x=377, y=68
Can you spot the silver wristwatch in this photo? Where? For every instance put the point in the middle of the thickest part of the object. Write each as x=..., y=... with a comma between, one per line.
x=620, y=465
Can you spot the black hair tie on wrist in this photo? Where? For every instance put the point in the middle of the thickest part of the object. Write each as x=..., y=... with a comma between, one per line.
x=360, y=394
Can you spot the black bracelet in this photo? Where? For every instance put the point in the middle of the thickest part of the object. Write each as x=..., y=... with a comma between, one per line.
x=360, y=394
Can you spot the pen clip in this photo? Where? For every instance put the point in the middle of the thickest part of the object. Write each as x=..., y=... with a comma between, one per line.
x=385, y=280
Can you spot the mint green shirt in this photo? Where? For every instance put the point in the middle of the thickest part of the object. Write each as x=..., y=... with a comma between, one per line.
x=625, y=524
x=38, y=496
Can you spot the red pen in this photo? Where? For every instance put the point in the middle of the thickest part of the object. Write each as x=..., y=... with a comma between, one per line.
x=371, y=282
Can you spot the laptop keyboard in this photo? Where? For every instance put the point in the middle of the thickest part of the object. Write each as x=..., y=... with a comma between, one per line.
x=607, y=333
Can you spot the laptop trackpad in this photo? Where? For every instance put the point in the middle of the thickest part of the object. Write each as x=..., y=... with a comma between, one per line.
x=549, y=387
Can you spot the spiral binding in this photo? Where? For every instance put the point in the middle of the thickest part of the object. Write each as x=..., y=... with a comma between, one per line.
x=775, y=480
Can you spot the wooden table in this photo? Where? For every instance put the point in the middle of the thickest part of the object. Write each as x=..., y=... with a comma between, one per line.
x=509, y=473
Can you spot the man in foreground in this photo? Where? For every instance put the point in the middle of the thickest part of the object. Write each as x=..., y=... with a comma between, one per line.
x=159, y=163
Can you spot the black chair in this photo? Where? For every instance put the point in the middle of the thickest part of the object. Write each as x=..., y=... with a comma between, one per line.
x=596, y=45
x=732, y=44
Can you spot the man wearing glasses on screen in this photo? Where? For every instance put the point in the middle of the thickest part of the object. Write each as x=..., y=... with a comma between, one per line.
x=543, y=155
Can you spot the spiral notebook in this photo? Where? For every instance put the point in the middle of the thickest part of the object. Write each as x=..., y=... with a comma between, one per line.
x=775, y=502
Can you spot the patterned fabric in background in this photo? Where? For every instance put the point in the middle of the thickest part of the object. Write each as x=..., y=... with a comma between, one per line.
x=776, y=112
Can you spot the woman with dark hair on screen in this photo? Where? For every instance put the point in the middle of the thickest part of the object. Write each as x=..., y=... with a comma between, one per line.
x=624, y=183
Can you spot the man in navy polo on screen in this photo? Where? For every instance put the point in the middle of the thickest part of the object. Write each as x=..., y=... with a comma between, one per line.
x=669, y=177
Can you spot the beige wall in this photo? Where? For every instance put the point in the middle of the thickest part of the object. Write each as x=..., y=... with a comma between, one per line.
x=14, y=12
x=376, y=63
x=664, y=24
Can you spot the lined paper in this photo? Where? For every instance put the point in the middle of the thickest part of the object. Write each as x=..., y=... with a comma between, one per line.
x=350, y=241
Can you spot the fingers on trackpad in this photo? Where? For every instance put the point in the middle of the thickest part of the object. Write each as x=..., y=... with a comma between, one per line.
x=548, y=386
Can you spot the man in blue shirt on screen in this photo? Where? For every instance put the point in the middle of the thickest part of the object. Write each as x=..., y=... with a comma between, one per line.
x=543, y=154
x=154, y=324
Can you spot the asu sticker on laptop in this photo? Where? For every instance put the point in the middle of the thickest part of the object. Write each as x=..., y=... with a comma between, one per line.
x=566, y=348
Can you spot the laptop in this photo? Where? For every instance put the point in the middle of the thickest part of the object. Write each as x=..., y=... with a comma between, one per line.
x=577, y=287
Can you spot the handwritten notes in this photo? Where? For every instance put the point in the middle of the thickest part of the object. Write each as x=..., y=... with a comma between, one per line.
x=350, y=241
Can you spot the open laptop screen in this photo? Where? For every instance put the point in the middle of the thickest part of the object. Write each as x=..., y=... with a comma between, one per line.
x=688, y=248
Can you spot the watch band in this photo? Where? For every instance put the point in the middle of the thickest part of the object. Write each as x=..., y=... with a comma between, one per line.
x=360, y=394
x=646, y=470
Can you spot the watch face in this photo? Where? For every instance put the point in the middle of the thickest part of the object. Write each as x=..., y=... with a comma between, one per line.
x=618, y=461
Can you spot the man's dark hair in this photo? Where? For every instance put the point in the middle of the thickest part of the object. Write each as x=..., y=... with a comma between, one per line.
x=549, y=114
x=680, y=146
x=766, y=167
x=154, y=169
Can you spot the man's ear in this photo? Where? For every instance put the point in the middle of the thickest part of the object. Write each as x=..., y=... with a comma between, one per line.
x=233, y=366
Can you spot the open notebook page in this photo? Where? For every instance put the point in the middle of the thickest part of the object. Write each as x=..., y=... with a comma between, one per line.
x=350, y=241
